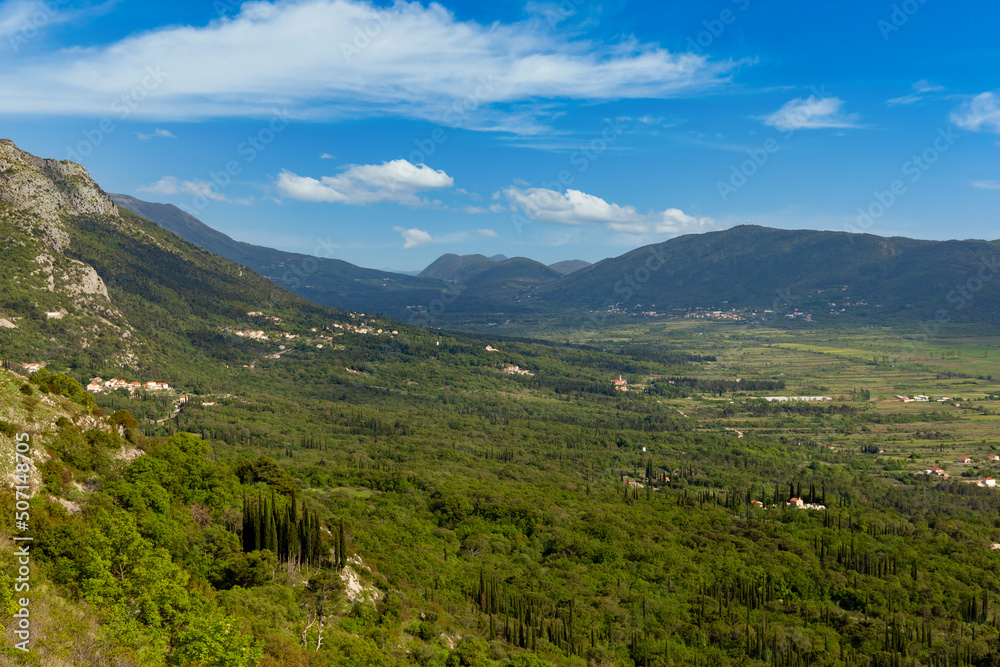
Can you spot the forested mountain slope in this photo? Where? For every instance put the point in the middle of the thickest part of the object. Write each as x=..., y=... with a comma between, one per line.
x=323, y=280
x=750, y=267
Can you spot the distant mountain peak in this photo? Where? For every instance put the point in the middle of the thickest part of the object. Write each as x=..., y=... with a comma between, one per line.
x=452, y=267
x=569, y=266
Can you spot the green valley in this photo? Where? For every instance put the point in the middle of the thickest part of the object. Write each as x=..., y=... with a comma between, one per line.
x=321, y=486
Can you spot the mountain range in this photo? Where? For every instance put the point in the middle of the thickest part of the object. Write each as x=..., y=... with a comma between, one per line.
x=749, y=268
x=108, y=248
x=336, y=282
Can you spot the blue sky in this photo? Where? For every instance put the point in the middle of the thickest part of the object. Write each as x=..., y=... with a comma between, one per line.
x=387, y=134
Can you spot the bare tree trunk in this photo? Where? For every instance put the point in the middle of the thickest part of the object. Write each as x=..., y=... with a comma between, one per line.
x=305, y=630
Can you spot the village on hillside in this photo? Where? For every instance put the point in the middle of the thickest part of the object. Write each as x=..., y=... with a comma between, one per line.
x=99, y=385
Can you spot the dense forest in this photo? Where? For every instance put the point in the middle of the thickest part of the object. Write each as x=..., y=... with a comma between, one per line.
x=431, y=510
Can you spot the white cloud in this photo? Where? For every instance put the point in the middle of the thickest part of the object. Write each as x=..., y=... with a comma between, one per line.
x=418, y=238
x=920, y=89
x=925, y=86
x=987, y=185
x=576, y=208
x=414, y=238
x=22, y=20
x=16, y=16
x=811, y=113
x=418, y=62
x=981, y=113
x=171, y=185
x=912, y=98
x=475, y=210
x=398, y=181
x=570, y=208
x=327, y=156
x=167, y=134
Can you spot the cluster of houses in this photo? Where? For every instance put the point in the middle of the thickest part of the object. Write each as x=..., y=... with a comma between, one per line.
x=798, y=503
x=363, y=329
x=32, y=368
x=714, y=314
x=513, y=369
x=255, y=335
x=99, y=385
x=257, y=313
x=635, y=484
x=920, y=398
x=789, y=399
x=989, y=481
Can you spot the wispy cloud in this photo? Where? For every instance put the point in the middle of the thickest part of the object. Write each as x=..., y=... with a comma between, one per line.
x=576, y=208
x=986, y=185
x=396, y=181
x=425, y=63
x=980, y=114
x=920, y=90
x=16, y=15
x=167, y=134
x=327, y=156
x=22, y=20
x=171, y=185
x=811, y=113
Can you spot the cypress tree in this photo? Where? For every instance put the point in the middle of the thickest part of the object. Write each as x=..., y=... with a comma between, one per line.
x=293, y=536
x=258, y=533
x=247, y=526
x=315, y=540
x=270, y=538
x=305, y=537
x=343, y=546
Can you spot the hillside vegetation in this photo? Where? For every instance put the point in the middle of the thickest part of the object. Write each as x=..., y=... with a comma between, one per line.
x=329, y=487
